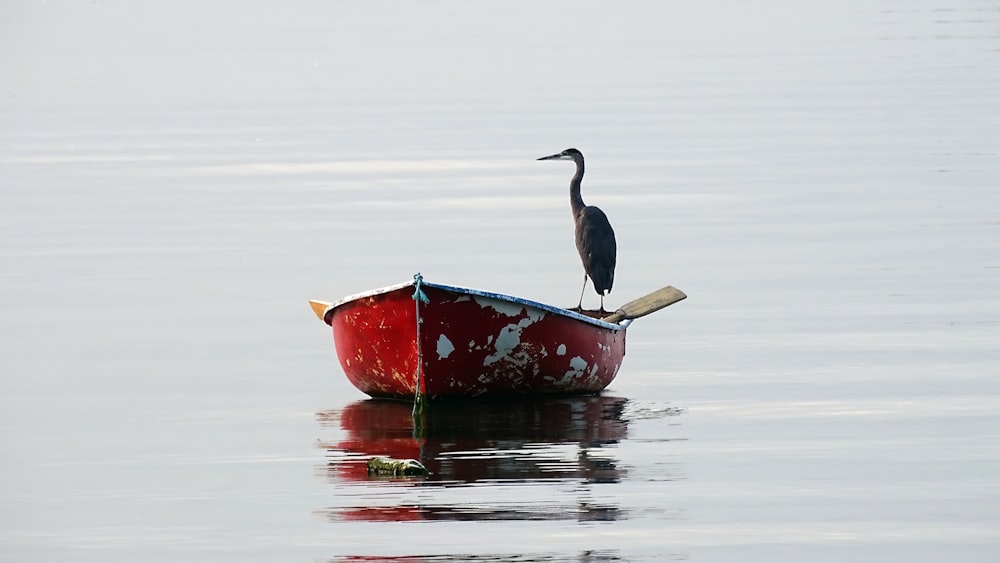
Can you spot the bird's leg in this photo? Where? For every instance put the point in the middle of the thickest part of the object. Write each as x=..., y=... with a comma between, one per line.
x=579, y=306
x=602, y=305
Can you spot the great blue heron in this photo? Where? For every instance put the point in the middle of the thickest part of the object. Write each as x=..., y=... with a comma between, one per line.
x=595, y=239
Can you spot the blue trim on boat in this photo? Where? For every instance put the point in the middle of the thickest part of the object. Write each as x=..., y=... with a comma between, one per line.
x=498, y=296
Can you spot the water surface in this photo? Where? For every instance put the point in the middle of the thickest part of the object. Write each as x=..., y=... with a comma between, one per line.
x=177, y=180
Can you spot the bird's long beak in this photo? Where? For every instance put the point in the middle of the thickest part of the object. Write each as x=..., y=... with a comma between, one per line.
x=551, y=157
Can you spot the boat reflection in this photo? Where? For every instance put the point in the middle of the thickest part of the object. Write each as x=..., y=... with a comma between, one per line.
x=517, y=459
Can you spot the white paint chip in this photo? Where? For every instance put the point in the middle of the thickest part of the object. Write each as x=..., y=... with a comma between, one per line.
x=561, y=350
x=444, y=347
x=577, y=365
x=507, y=340
x=510, y=309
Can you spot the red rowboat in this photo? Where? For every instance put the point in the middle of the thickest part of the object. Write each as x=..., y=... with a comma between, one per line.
x=421, y=340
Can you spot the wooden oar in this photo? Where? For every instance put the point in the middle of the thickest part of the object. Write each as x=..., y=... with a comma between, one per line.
x=319, y=307
x=646, y=304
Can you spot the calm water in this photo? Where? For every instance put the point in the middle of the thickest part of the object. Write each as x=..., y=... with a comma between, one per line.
x=176, y=180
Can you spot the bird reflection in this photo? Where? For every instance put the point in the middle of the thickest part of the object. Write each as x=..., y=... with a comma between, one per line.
x=505, y=451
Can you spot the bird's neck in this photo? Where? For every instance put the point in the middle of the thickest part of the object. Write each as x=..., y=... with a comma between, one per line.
x=575, y=199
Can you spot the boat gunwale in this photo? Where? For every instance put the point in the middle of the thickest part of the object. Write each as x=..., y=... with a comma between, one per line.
x=480, y=293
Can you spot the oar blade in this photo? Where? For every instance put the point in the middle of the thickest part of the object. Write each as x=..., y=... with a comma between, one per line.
x=319, y=307
x=646, y=304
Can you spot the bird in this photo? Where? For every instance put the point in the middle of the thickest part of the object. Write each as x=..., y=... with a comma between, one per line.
x=595, y=239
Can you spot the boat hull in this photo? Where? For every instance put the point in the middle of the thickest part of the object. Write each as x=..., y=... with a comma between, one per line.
x=470, y=343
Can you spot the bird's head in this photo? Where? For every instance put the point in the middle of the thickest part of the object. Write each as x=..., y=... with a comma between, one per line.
x=568, y=154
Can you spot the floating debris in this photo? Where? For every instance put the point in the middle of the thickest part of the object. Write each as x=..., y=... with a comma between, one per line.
x=395, y=467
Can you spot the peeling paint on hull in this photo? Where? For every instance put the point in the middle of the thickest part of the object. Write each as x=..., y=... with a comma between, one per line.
x=510, y=346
